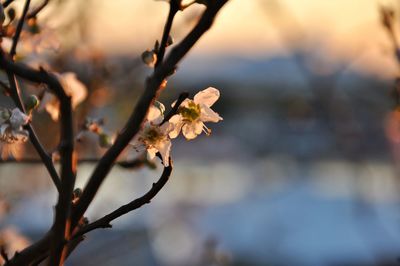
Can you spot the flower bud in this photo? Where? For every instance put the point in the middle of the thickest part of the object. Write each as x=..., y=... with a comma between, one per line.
x=77, y=192
x=31, y=103
x=149, y=58
x=5, y=114
x=11, y=13
x=33, y=26
x=105, y=140
x=170, y=40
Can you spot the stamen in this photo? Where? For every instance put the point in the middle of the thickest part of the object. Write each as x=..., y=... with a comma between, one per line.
x=206, y=130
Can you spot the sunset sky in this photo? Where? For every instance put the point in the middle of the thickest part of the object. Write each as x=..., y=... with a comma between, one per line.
x=342, y=29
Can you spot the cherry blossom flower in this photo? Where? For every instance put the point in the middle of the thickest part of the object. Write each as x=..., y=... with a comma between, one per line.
x=154, y=136
x=72, y=86
x=11, y=128
x=193, y=113
x=12, y=134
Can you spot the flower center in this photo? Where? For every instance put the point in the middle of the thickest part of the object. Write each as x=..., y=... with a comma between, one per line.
x=191, y=112
x=152, y=135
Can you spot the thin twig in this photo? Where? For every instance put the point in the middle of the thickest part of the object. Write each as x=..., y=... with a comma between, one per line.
x=175, y=108
x=7, y=3
x=4, y=255
x=105, y=221
x=18, y=31
x=47, y=161
x=131, y=128
x=136, y=119
x=173, y=9
x=134, y=163
x=63, y=207
x=5, y=87
x=37, y=9
x=16, y=96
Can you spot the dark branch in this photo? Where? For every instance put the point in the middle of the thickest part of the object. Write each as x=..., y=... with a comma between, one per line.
x=134, y=163
x=105, y=221
x=63, y=207
x=135, y=121
x=175, y=108
x=5, y=87
x=21, y=22
x=4, y=254
x=7, y=3
x=16, y=96
x=173, y=9
x=37, y=9
x=131, y=128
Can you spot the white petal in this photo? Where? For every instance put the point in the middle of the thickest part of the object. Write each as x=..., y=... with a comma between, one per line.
x=3, y=128
x=18, y=118
x=21, y=135
x=164, y=148
x=208, y=115
x=151, y=152
x=177, y=123
x=166, y=128
x=208, y=96
x=154, y=115
x=190, y=130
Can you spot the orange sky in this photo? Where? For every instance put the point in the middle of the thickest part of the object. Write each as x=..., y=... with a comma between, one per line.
x=347, y=29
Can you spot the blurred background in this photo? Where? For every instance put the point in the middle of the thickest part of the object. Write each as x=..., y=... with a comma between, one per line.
x=303, y=170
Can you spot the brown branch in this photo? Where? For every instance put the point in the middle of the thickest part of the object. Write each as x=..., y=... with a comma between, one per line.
x=46, y=159
x=37, y=9
x=105, y=221
x=175, y=108
x=134, y=123
x=4, y=254
x=134, y=163
x=63, y=207
x=7, y=3
x=131, y=128
x=20, y=24
x=16, y=96
x=174, y=6
x=5, y=87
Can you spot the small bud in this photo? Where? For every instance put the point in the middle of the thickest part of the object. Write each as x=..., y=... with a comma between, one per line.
x=170, y=40
x=32, y=103
x=33, y=26
x=77, y=192
x=11, y=14
x=149, y=58
x=156, y=46
x=105, y=140
x=55, y=156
